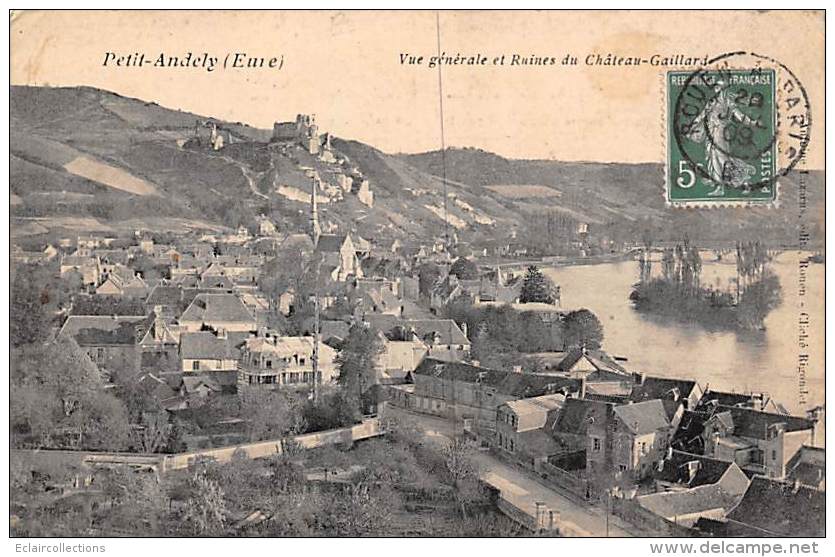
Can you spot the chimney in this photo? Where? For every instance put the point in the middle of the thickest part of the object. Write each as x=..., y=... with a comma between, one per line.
x=159, y=324
x=464, y=328
x=693, y=467
x=582, y=387
x=221, y=333
x=475, y=363
x=517, y=369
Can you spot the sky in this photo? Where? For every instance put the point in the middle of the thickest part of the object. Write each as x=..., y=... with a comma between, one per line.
x=345, y=68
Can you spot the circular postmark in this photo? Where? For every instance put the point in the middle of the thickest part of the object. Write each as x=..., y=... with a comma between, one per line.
x=740, y=122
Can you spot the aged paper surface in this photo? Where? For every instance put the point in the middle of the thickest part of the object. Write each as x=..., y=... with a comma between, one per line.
x=342, y=273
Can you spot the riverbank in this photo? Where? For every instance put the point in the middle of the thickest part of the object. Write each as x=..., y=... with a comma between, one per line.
x=727, y=360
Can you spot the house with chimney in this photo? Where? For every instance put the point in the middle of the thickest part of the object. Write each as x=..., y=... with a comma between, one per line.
x=218, y=312
x=755, y=401
x=808, y=467
x=399, y=358
x=772, y=508
x=273, y=361
x=111, y=342
x=665, y=388
x=472, y=394
x=89, y=268
x=690, y=487
x=206, y=351
x=759, y=442
x=122, y=281
x=593, y=365
x=582, y=428
x=520, y=428
x=641, y=434
x=604, y=442
x=163, y=333
x=444, y=339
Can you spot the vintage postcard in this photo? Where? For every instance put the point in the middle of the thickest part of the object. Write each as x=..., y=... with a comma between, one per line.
x=417, y=274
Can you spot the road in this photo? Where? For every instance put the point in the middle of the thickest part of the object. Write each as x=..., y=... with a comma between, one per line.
x=523, y=488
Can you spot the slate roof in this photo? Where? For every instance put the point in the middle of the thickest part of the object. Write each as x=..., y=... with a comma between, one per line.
x=216, y=281
x=576, y=415
x=301, y=242
x=660, y=387
x=725, y=399
x=782, y=509
x=710, y=470
x=205, y=345
x=383, y=322
x=447, y=329
x=330, y=242
x=599, y=359
x=754, y=424
x=216, y=308
x=164, y=295
x=688, y=435
x=100, y=330
x=287, y=346
x=77, y=261
x=808, y=466
x=643, y=417
x=517, y=385
x=536, y=405
x=677, y=503
x=537, y=443
x=331, y=328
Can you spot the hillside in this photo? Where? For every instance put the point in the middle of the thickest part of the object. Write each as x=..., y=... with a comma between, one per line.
x=628, y=195
x=83, y=159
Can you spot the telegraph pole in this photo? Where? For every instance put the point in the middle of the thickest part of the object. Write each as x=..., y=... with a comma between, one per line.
x=315, y=231
x=316, y=378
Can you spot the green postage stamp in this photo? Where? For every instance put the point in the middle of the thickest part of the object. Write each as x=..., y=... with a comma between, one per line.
x=721, y=137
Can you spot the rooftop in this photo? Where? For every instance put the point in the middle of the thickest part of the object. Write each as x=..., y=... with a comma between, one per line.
x=217, y=308
x=92, y=330
x=782, y=509
x=205, y=345
x=643, y=417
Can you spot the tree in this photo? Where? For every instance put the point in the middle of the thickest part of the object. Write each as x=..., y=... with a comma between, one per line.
x=69, y=385
x=582, y=329
x=30, y=306
x=464, y=269
x=282, y=273
x=758, y=299
x=358, y=361
x=359, y=510
x=154, y=432
x=463, y=472
x=428, y=276
x=271, y=414
x=537, y=288
x=138, y=502
x=335, y=408
x=205, y=513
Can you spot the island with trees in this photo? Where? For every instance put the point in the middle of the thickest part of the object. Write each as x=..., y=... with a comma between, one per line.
x=679, y=293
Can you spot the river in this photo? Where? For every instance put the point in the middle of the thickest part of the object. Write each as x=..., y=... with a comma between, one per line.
x=765, y=361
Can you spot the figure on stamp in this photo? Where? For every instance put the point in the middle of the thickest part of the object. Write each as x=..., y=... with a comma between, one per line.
x=713, y=128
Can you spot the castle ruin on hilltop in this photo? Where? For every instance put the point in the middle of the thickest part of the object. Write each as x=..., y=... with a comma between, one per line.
x=305, y=132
